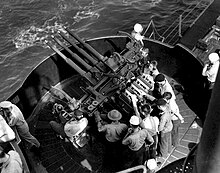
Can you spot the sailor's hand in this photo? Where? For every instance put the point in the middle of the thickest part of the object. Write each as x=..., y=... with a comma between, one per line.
x=182, y=120
x=151, y=144
x=142, y=93
x=96, y=113
x=134, y=98
x=97, y=116
x=206, y=65
x=10, y=123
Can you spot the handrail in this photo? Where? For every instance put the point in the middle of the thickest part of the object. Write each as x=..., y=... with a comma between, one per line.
x=154, y=30
x=175, y=25
x=134, y=169
x=182, y=20
x=148, y=26
x=175, y=21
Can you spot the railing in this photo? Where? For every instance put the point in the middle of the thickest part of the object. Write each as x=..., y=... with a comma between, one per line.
x=135, y=169
x=174, y=32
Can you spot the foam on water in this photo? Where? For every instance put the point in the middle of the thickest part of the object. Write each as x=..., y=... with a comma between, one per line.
x=36, y=35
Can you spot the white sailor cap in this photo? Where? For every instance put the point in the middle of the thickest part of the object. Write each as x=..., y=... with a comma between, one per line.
x=151, y=164
x=213, y=57
x=5, y=104
x=134, y=120
x=138, y=28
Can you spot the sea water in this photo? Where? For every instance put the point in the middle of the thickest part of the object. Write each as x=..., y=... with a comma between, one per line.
x=26, y=24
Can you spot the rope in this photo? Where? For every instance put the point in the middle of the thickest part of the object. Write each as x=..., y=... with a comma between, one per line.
x=154, y=30
x=157, y=32
x=151, y=21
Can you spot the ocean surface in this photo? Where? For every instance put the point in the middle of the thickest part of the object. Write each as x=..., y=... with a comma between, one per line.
x=26, y=24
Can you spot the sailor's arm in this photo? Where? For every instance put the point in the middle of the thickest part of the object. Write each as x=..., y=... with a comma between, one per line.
x=204, y=71
x=149, y=138
x=127, y=140
x=175, y=110
x=100, y=125
x=134, y=102
x=149, y=97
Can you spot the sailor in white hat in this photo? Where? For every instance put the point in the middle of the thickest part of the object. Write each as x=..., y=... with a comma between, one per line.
x=136, y=139
x=15, y=118
x=136, y=33
x=210, y=70
x=151, y=164
x=70, y=126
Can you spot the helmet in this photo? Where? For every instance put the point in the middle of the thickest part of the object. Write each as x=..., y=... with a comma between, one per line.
x=134, y=120
x=138, y=28
x=5, y=104
x=213, y=57
x=152, y=164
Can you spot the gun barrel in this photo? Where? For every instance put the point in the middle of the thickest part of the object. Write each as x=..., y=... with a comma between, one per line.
x=74, y=55
x=87, y=46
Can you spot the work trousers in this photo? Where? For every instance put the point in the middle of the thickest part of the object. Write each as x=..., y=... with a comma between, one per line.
x=23, y=131
x=165, y=145
x=133, y=158
x=175, y=132
x=153, y=148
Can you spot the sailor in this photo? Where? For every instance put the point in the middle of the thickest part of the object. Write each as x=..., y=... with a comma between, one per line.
x=11, y=162
x=161, y=86
x=165, y=128
x=136, y=33
x=210, y=70
x=137, y=139
x=151, y=124
x=154, y=70
x=147, y=122
x=70, y=128
x=114, y=132
x=176, y=117
x=15, y=118
x=144, y=53
x=147, y=75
